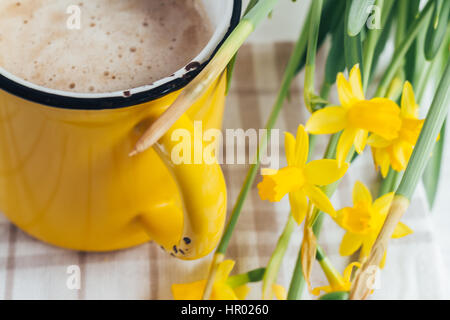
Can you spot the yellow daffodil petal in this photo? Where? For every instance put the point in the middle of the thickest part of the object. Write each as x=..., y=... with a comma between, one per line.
x=275, y=186
x=345, y=144
x=224, y=270
x=376, y=141
x=324, y=172
x=360, y=140
x=410, y=130
x=222, y=291
x=279, y=291
x=318, y=290
x=399, y=156
x=367, y=244
x=189, y=291
x=361, y=194
x=382, y=159
x=327, y=120
x=242, y=292
x=349, y=270
x=401, y=230
x=340, y=215
x=301, y=147
x=380, y=116
x=299, y=205
x=356, y=83
x=345, y=92
x=320, y=199
x=409, y=107
x=383, y=204
x=289, y=146
x=349, y=244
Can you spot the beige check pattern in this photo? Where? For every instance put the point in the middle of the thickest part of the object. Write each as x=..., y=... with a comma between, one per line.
x=30, y=269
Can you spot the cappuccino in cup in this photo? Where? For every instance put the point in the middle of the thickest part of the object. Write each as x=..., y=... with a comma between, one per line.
x=100, y=46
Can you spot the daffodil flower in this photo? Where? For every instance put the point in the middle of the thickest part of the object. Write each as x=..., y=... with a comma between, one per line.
x=337, y=282
x=364, y=221
x=356, y=117
x=279, y=291
x=221, y=289
x=300, y=179
x=396, y=153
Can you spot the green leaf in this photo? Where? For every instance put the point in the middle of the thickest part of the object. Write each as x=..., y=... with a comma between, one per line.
x=437, y=30
x=433, y=124
x=414, y=52
x=338, y=295
x=331, y=16
x=358, y=14
x=403, y=48
x=352, y=44
x=382, y=42
x=433, y=170
x=244, y=278
x=336, y=58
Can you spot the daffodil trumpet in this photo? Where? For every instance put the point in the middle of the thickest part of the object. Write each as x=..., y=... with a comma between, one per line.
x=435, y=118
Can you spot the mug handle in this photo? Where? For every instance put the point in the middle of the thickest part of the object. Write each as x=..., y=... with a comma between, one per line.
x=203, y=193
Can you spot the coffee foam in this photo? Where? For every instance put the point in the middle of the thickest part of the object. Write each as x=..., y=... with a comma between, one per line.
x=120, y=45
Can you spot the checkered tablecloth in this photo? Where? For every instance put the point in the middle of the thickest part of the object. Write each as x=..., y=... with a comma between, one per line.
x=30, y=269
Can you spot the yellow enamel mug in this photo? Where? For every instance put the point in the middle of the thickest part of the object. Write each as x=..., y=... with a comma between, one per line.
x=66, y=177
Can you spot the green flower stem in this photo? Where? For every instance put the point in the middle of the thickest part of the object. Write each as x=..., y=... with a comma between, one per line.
x=310, y=68
x=277, y=256
x=373, y=38
x=294, y=61
x=353, y=55
x=431, y=176
x=274, y=264
x=244, y=278
x=432, y=126
x=289, y=74
x=403, y=48
x=297, y=285
x=389, y=184
x=291, y=69
x=326, y=265
x=230, y=67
